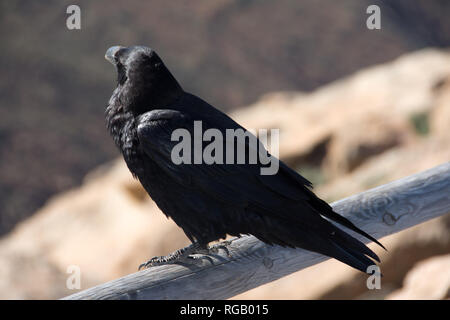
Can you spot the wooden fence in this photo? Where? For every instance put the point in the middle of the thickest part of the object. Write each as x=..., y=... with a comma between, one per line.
x=380, y=212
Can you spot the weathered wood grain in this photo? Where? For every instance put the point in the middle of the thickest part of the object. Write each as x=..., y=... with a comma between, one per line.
x=380, y=211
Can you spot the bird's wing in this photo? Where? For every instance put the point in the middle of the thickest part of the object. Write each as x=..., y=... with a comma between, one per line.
x=293, y=211
x=286, y=195
x=240, y=184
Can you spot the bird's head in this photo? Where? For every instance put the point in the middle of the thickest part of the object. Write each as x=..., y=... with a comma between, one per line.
x=144, y=81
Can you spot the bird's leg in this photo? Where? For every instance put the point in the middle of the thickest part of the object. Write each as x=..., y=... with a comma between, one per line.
x=186, y=252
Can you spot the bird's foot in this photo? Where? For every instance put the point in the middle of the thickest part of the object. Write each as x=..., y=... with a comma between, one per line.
x=221, y=245
x=181, y=254
x=193, y=251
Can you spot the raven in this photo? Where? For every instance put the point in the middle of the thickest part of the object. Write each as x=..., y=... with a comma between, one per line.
x=211, y=201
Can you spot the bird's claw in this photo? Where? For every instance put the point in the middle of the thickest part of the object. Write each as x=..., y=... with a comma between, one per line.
x=173, y=257
x=193, y=252
x=153, y=262
x=221, y=245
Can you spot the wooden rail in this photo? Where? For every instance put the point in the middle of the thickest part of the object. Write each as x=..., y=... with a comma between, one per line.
x=380, y=212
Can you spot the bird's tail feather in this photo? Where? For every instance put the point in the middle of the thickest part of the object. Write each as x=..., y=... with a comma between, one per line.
x=355, y=245
x=330, y=241
x=346, y=249
x=352, y=257
x=317, y=234
x=327, y=211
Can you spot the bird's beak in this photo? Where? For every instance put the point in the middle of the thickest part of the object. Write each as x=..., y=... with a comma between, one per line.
x=111, y=52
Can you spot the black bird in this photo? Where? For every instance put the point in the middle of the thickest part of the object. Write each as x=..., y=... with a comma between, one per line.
x=209, y=201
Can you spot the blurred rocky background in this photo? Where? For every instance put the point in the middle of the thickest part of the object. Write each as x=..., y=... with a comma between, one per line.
x=356, y=108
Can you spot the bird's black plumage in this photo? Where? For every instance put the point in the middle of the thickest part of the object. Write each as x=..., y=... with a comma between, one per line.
x=209, y=201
